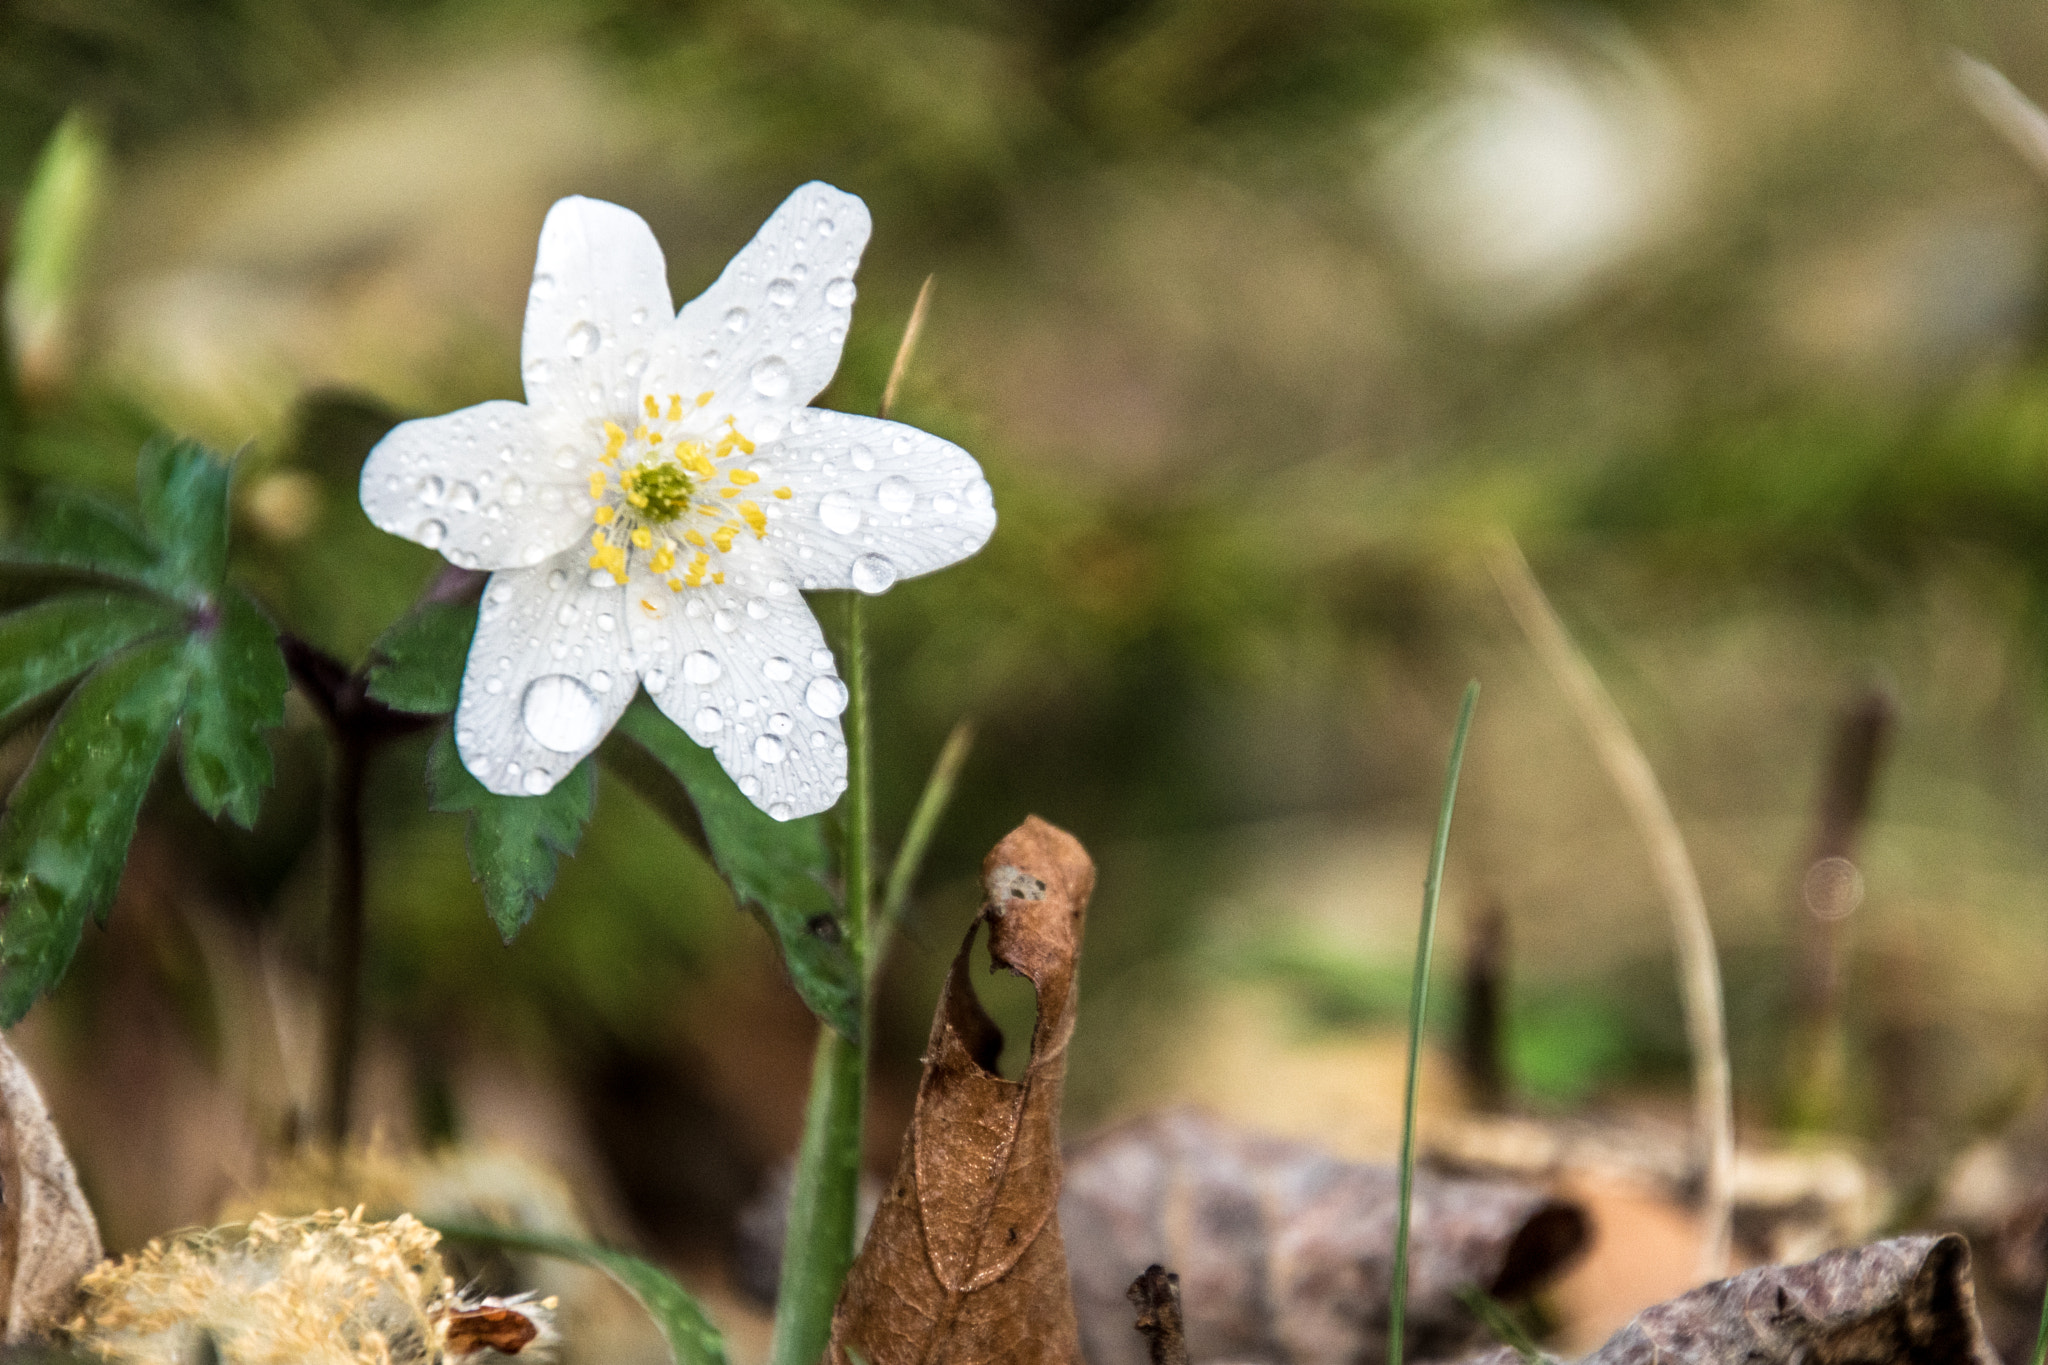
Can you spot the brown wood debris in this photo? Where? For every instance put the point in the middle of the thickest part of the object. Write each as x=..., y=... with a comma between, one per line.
x=964, y=1261
x=48, y=1237
x=1156, y=1296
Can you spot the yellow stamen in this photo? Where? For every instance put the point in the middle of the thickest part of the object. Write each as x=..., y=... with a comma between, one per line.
x=695, y=537
x=653, y=408
x=755, y=517
x=646, y=605
x=718, y=578
x=597, y=483
x=614, y=439
x=664, y=560
x=642, y=538
x=722, y=537
x=675, y=585
x=703, y=398
x=603, y=515
x=784, y=493
x=743, y=476
x=675, y=407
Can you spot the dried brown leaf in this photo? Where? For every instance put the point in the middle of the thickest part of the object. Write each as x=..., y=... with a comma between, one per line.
x=964, y=1261
x=1283, y=1251
x=48, y=1237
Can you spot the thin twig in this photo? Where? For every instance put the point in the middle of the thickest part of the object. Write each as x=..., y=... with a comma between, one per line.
x=924, y=822
x=1418, y=1007
x=1699, y=966
x=907, y=347
x=1156, y=1296
x=343, y=969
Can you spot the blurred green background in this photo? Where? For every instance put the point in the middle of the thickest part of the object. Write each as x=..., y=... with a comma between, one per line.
x=1264, y=317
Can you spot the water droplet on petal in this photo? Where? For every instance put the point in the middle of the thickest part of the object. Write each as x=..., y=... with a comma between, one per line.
x=501, y=593
x=537, y=372
x=826, y=227
x=726, y=620
x=709, y=720
x=839, y=513
x=863, y=458
x=537, y=783
x=896, y=495
x=782, y=292
x=583, y=339
x=840, y=293
x=978, y=494
x=781, y=810
x=736, y=320
x=462, y=497
x=873, y=574
x=750, y=787
x=495, y=686
x=821, y=658
x=778, y=669
x=599, y=578
x=656, y=680
x=709, y=360
x=770, y=376
x=757, y=607
x=636, y=364
x=560, y=713
x=605, y=621
x=769, y=749
x=780, y=723
x=701, y=667
x=601, y=681
x=515, y=492
x=639, y=317
x=543, y=286
x=566, y=614
x=826, y=696
x=431, y=534
x=558, y=580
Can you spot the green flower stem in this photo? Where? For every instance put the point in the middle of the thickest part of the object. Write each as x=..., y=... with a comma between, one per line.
x=924, y=822
x=2041, y=1336
x=818, y=1248
x=1418, y=1004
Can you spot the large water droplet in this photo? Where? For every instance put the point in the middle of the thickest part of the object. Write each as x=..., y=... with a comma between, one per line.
x=736, y=320
x=840, y=293
x=896, y=495
x=863, y=459
x=873, y=574
x=537, y=372
x=839, y=512
x=757, y=607
x=709, y=720
x=821, y=658
x=601, y=681
x=770, y=376
x=583, y=339
x=945, y=504
x=606, y=622
x=599, y=578
x=826, y=696
x=514, y=491
x=431, y=534
x=655, y=681
x=543, y=286
x=782, y=292
x=561, y=713
x=558, y=580
x=462, y=497
x=750, y=787
x=978, y=494
x=726, y=620
x=778, y=669
x=566, y=613
x=701, y=666
x=433, y=488
x=537, y=783
x=769, y=749
x=826, y=227
x=636, y=364
x=781, y=810
x=780, y=723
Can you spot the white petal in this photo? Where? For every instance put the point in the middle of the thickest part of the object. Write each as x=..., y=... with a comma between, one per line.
x=481, y=485
x=549, y=672
x=765, y=338
x=597, y=311
x=871, y=501
x=743, y=668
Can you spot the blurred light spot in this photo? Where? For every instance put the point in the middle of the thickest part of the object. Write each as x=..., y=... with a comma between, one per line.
x=1534, y=171
x=1833, y=889
x=284, y=506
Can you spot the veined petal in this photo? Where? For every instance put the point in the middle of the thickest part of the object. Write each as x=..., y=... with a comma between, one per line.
x=598, y=307
x=549, y=671
x=765, y=338
x=482, y=485
x=872, y=501
x=742, y=667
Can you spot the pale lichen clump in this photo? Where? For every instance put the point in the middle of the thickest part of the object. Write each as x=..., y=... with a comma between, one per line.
x=328, y=1289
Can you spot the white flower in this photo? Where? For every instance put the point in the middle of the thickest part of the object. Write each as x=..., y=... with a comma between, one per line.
x=650, y=512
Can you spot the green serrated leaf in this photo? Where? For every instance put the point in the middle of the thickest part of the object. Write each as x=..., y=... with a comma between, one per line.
x=71, y=531
x=184, y=490
x=66, y=830
x=417, y=664
x=691, y=1338
x=45, y=646
x=237, y=695
x=779, y=868
x=515, y=842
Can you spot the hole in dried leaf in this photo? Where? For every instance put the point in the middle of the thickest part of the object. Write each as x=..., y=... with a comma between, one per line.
x=995, y=1014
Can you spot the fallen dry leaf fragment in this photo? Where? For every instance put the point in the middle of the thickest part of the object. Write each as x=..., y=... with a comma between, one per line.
x=1156, y=1296
x=1283, y=1251
x=964, y=1262
x=48, y=1238
x=1907, y=1301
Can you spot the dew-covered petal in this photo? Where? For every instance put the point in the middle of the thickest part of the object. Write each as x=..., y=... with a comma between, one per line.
x=870, y=501
x=765, y=338
x=484, y=486
x=549, y=672
x=598, y=308
x=742, y=667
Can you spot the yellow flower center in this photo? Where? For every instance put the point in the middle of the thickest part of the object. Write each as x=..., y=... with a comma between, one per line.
x=668, y=505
